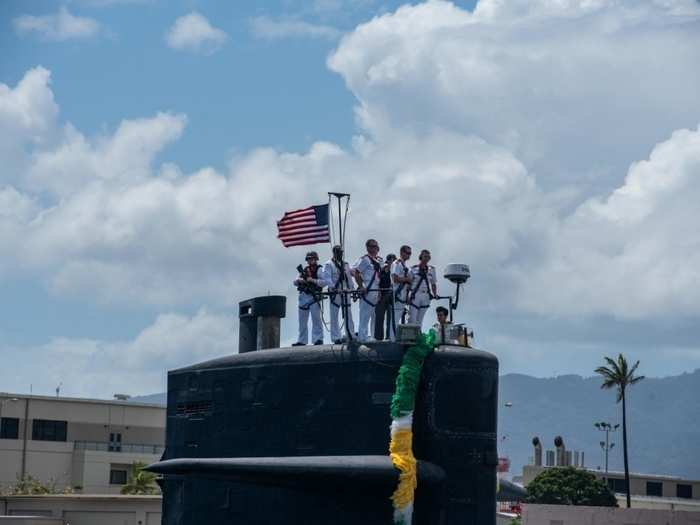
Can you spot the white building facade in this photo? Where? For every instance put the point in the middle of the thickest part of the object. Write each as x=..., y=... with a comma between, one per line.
x=83, y=445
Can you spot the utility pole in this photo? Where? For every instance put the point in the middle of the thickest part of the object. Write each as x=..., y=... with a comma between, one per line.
x=606, y=445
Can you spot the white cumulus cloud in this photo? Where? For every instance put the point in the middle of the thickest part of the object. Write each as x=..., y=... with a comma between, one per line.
x=193, y=32
x=577, y=90
x=60, y=26
x=634, y=253
x=124, y=156
x=90, y=367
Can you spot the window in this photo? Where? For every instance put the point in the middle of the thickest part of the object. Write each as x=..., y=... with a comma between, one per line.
x=654, y=488
x=49, y=430
x=683, y=490
x=9, y=428
x=617, y=485
x=115, y=442
x=117, y=477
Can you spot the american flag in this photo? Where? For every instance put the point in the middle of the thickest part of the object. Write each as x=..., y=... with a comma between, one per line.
x=304, y=226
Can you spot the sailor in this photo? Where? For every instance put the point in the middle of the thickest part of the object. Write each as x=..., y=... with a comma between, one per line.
x=445, y=335
x=442, y=324
x=423, y=288
x=442, y=314
x=337, y=279
x=366, y=271
x=310, y=283
x=401, y=278
x=384, y=309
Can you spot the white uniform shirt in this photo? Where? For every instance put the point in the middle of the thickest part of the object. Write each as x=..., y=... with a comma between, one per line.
x=364, y=267
x=331, y=273
x=426, y=284
x=398, y=268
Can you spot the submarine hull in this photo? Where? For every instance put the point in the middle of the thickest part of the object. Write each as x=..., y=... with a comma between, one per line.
x=317, y=420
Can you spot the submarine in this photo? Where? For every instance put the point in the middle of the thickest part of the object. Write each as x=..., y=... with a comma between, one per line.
x=300, y=435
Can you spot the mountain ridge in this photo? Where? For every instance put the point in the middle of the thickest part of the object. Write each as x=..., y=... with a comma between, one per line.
x=663, y=436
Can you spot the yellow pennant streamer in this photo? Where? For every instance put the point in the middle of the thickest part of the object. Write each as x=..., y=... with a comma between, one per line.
x=401, y=451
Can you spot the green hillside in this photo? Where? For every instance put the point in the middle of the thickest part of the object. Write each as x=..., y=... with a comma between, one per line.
x=664, y=430
x=664, y=433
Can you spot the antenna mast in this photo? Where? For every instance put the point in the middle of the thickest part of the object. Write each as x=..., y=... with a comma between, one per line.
x=342, y=217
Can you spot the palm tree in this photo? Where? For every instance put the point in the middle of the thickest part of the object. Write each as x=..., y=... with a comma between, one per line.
x=618, y=375
x=140, y=481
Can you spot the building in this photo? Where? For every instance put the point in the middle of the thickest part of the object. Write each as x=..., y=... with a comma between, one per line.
x=83, y=445
x=580, y=515
x=653, y=485
x=81, y=509
x=650, y=486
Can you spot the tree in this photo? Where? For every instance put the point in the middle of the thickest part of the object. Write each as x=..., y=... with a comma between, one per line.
x=569, y=486
x=140, y=482
x=29, y=485
x=618, y=375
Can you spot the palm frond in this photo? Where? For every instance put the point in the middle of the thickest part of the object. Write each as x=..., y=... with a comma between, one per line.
x=612, y=363
x=618, y=374
x=636, y=379
x=609, y=376
x=633, y=369
x=605, y=371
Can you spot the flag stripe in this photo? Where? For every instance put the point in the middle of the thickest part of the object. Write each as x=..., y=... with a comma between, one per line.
x=304, y=226
x=296, y=220
x=303, y=234
x=305, y=237
x=299, y=212
x=300, y=224
x=306, y=242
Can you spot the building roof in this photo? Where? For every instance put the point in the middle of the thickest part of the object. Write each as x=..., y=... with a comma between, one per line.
x=620, y=474
x=660, y=477
x=85, y=497
x=664, y=500
x=112, y=402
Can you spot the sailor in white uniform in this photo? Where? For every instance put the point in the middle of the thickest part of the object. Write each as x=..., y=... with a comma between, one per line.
x=366, y=271
x=309, y=284
x=423, y=288
x=401, y=279
x=335, y=279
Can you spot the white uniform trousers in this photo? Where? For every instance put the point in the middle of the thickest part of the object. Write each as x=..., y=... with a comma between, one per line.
x=337, y=328
x=398, y=313
x=314, y=308
x=420, y=305
x=367, y=316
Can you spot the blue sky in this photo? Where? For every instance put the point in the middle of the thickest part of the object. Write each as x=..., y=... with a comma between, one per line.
x=252, y=92
x=553, y=146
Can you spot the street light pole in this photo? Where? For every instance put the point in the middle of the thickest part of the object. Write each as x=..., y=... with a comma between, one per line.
x=507, y=404
x=606, y=427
